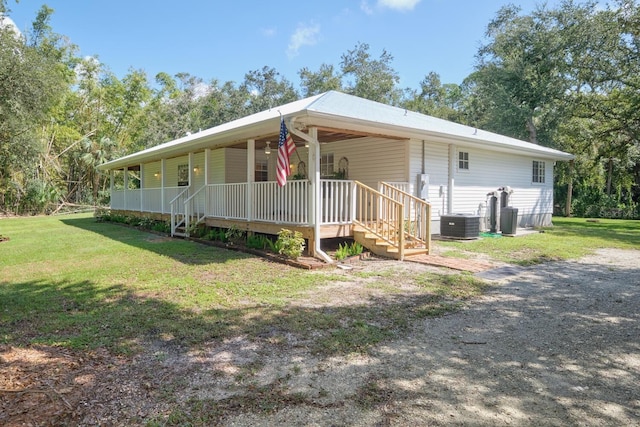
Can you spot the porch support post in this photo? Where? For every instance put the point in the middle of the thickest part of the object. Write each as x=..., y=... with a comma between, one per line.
x=192, y=176
x=315, y=213
x=142, y=185
x=207, y=155
x=162, y=165
x=111, y=183
x=452, y=178
x=126, y=186
x=251, y=177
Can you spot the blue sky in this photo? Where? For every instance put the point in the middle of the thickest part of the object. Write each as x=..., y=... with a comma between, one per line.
x=226, y=39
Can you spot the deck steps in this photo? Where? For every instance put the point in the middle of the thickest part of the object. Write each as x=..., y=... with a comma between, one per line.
x=381, y=247
x=180, y=232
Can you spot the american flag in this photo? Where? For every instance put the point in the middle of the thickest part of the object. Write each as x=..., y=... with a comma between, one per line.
x=286, y=147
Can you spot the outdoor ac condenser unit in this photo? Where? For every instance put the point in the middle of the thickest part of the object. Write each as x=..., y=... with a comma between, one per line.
x=460, y=226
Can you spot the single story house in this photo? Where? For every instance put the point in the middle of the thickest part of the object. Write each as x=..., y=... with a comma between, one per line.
x=380, y=174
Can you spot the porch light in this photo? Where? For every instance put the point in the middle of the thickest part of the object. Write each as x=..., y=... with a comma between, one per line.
x=196, y=169
x=157, y=174
x=267, y=148
x=306, y=144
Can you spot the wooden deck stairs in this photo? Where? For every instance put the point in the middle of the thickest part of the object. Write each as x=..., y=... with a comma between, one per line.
x=381, y=247
x=390, y=222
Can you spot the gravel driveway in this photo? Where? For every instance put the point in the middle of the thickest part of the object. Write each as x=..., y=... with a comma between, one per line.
x=557, y=344
x=552, y=345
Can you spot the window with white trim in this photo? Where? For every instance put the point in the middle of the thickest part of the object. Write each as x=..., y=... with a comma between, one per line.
x=262, y=171
x=537, y=176
x=326, y=165
x=463, y=160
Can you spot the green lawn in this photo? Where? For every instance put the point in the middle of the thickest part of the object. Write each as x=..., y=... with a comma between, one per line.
x=569, y=238
x=75, y=282
x=71, y=281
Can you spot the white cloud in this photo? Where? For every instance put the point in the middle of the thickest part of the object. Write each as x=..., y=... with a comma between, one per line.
x=401, y=5
x=269, y=32
x=365, y=7
x=305, y=35
x=6, y=22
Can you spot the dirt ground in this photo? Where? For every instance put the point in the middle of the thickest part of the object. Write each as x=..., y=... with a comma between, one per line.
x=555, y=344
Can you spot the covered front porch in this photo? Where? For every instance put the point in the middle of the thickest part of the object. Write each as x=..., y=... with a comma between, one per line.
x=389, y=221
x=231, y=183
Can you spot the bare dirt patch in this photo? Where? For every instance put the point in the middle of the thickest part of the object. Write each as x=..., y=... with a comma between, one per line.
x=554, y=344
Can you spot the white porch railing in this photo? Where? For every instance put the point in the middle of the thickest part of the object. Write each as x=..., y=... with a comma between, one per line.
x=170, y=193
x=400, y=185
x=286, y=205
x=151, y=200
x=270, y=203
x=337, y=200
x=178, y=211
x=117, y=199
x=144, y=200
x=132, y=200
x=228, y=201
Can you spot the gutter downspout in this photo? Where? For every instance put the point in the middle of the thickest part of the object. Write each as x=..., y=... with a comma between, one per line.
x=315, y=182
x=452, y=179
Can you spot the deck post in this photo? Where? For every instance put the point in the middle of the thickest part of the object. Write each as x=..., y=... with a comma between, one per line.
x=191, y=172
x=142, y=184
x=401, y=231
x=314, y=195
x=162, y=174
x=126, y=186
x=251, y=177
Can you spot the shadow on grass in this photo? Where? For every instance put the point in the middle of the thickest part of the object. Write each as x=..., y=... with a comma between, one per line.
x=82, y=315
x=582, y=374
x=184, y=251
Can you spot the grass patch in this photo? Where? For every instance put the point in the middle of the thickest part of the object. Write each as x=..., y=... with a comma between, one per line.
x=76, y=283
x=73, y=282
x=569, y=238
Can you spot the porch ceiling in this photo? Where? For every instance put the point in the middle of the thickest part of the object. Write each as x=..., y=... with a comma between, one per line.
x=325, y=135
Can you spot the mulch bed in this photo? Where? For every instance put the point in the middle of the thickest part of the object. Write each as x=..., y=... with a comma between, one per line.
x=304, y=262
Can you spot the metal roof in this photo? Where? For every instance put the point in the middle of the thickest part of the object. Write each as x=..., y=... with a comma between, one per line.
x=338, y=116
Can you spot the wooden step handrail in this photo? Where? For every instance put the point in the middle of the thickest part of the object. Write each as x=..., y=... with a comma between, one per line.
x=418, y=224
x=380, y=215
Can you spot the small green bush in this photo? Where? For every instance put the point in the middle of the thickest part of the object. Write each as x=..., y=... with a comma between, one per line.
x=162, y=227
x=257, y=241
x=217, y=234
x=235, y=235
x=274, y=246
x=197, y=230
x=291, y=243
x=348, y=250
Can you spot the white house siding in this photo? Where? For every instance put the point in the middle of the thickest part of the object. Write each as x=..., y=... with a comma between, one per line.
x=490, y=170
x=197, y=171
x=487, y=172
x=171, y=170
x=216, y=166
x=436, y=166
x=152, y=175
x=235, y=165
x=371, y=160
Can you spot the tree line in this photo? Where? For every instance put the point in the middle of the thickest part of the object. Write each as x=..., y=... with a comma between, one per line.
x=566, y=77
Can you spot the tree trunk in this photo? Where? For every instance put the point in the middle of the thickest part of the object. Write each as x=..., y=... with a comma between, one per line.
x=567, y=208
x=533, y=132
x=609, y=176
